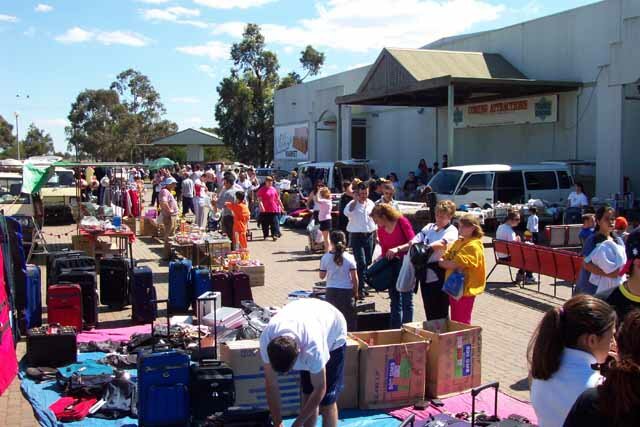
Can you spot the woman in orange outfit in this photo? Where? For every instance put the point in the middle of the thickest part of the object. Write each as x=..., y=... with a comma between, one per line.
x=241, y=217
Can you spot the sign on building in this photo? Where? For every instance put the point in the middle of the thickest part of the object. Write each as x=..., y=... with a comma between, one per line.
x=540, y=109
x=292, y=142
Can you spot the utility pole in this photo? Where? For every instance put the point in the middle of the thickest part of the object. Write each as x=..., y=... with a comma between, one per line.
x=17, y=133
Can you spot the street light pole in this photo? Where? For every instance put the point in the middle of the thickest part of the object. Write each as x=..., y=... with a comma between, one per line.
x=17, y=133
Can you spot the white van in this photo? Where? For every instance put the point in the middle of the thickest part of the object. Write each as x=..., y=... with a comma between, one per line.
x=486, y=184
x=332, y=173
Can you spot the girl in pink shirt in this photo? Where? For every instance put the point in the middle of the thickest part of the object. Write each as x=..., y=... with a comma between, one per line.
x=394, y=232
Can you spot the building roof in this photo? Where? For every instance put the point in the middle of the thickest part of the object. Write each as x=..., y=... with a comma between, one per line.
x=190, y=136
x=420, y=77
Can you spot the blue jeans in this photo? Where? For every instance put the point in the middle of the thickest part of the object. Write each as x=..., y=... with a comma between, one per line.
x=401, y=306
x=362, y=245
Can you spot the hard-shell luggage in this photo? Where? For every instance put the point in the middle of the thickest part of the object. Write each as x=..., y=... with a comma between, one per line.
x=180, y=286
x=241, y=416
x=241, y=288
x=71, y=408
x=64, y=305
x=222, y=283
x=77, y=262
x=51, y=345
x=163, y=387
x=143, y=309
x=8, y=360
x=115, y=281
x=52, y=256
x=212, y=384
x=90, y=301
x=201, y=277
x=33, y=307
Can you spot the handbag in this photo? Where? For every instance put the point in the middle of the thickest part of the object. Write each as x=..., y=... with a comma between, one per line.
x=454, y=285
x=419, y=253
x=382, y=274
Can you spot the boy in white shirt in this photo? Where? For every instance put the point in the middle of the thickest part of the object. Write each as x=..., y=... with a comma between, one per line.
x=532, y=224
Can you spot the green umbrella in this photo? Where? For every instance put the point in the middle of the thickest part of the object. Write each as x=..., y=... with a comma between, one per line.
x=162, y=162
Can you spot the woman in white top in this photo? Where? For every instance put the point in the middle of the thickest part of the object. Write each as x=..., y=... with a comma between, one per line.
x=340, y=269
x=568, y=341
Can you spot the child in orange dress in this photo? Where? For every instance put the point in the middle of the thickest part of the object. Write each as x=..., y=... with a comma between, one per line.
x=241, y=217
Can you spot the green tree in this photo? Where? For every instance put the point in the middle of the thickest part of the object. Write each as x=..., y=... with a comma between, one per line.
x=233, y=112
x=95, y=128
x=311, y=61
x=7, y=139
x=37, y=142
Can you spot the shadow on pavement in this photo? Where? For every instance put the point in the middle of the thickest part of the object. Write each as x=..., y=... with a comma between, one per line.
x=508, y=291
x=522, y=385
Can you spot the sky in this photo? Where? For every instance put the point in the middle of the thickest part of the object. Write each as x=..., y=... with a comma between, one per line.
x=53, y=50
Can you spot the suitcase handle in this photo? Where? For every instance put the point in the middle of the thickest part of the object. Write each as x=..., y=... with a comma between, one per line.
x=158, y=302
x=475, y=392
x=199, y=299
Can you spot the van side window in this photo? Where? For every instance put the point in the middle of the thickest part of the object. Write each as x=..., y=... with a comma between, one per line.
x=545, y=180
x=509, y=187
x=479, y=182
x=564, y=179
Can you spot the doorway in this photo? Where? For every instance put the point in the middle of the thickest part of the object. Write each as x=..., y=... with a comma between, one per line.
x=358, y=142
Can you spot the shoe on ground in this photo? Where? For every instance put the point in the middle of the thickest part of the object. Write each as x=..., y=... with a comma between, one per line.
x=530, y=281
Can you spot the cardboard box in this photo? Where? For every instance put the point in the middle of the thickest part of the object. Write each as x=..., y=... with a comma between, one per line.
x=81, y=242
x=392, y=368
x=255, y=273
x=454, y=360
x=131, y=223
x=348, y=398
x=244, y=358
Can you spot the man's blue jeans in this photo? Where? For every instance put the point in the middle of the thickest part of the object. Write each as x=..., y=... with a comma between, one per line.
x=362, y=245
x=401, y=305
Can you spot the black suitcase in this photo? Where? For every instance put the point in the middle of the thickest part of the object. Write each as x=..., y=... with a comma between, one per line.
x=78, y=262
x=237, y=416
x=52, y=256
x=143, y=295
x=212, y=386
x=51, y=346
x=373, y=321
x=115, y=282
x=90, y=301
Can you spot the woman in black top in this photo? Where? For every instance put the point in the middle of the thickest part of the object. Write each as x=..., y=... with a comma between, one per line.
x=616, y=403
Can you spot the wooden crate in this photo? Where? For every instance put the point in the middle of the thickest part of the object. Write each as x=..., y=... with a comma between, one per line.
x=255, y=273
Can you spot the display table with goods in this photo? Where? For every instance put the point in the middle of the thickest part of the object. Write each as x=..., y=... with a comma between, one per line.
x=96, y=237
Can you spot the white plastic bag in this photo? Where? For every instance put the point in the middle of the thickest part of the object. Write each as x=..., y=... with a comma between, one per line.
x=407, y=278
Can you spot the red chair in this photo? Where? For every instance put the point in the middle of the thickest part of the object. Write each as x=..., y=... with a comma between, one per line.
x=531, y=260
x=501, y=247
x=577, y=266
x=516, y=258
x=565, y=269
x=547, y=263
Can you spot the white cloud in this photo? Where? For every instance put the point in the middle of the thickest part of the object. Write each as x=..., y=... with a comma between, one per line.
x=185, y=100
x=364, y=25
x=43, y=8
x=75, y=35
x=30, y=32
x=51, y=123
x=231, y=4
x=288, y=49
x=174, y=14
x=207, y=69
x=79, y=35
x=213, y=50
x=154, y=1
x=8, y=18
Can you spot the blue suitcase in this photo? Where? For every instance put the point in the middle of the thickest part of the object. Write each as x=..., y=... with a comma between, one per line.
x=33, y=307
x=143, y=306
x=201, y=277
x=163, y=387
x=180, y=286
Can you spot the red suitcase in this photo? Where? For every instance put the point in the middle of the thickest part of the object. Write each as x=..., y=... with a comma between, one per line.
x=241, y=288
x=222, y=283
x=64, y=305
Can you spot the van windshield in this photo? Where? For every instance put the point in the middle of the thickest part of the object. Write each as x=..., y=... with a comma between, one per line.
x=445, y=181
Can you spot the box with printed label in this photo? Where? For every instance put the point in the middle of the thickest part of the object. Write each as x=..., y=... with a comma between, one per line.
x=392, y=368
x=454, y=360
x=244, y=358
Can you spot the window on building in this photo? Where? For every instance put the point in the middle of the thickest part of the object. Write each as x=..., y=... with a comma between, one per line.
x=541, y=180
x=564, y=179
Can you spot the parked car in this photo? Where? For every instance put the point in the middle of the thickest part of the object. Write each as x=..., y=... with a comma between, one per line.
x=333, y=173
x=486, y=184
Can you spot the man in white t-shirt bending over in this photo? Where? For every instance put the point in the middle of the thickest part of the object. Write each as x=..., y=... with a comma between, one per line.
x=310, y=336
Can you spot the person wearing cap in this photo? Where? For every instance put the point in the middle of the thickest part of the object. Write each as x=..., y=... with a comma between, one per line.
x=620, y=227
x=169, y=210
x=626, y=297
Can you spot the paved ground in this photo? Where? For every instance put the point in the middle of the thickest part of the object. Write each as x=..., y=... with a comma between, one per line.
x=508, y=315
